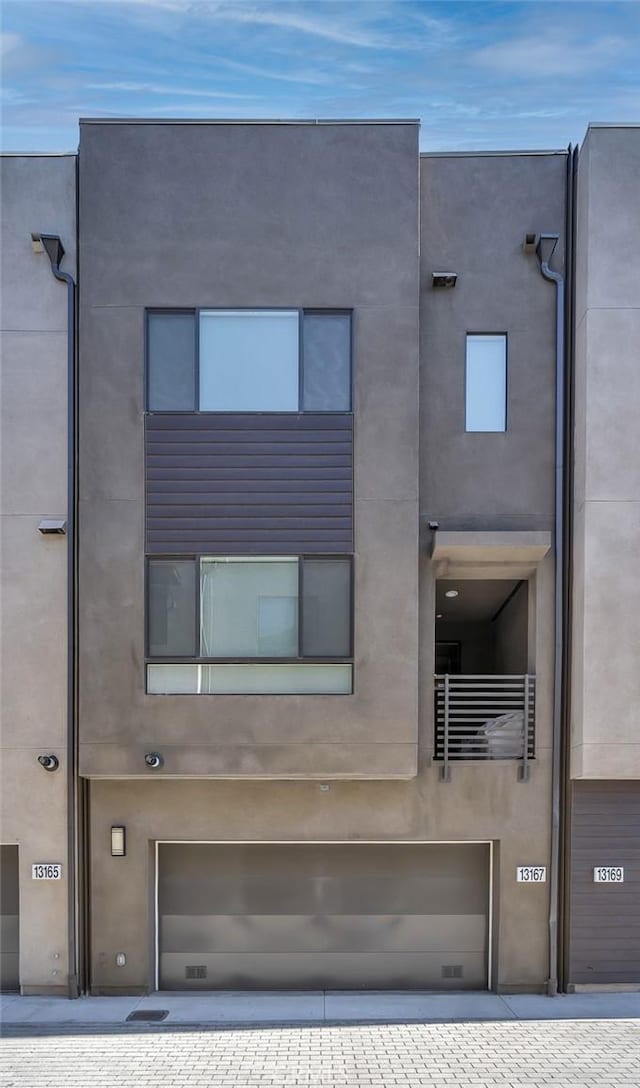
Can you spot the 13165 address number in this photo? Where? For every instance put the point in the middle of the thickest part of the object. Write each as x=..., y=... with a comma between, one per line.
x=46, y=870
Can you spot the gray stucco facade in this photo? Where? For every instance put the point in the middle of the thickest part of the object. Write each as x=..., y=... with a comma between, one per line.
x=38, y=194
x=603, y=795
x=369, y=838
x=284, y=224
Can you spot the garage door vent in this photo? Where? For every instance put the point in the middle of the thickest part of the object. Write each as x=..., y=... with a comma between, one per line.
x=452, y=970
x=195, y=972
x=152, y=1015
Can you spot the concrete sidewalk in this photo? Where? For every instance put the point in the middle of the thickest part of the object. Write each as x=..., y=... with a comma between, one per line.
x=318, y=1007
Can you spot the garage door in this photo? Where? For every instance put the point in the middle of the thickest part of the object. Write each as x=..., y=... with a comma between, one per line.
x=9, y=970
x=605, y=917
x=338, y=916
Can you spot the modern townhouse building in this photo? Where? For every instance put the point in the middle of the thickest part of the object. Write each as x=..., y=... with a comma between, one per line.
x=337, y=716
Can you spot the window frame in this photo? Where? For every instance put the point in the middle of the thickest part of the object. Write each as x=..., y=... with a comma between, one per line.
x=505, y=337
x=197, y=310
x=199, y=659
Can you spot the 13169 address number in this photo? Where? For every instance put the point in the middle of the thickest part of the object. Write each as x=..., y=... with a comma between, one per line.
x=608, y=874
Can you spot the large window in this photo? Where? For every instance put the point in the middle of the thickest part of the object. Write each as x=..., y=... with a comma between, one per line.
x=486, y=382
x=249, y=361
x=234, y=625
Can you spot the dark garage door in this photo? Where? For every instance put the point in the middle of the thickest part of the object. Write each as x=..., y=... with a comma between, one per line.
x=323, y=916
x=9, y=929
x=605, y=918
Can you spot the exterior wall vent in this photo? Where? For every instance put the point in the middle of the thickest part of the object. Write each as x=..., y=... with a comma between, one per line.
x=452, y=970
x=195, y=972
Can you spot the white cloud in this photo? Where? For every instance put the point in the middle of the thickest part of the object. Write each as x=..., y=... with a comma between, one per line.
x=155, y=88
x=9, y=42
x=287, y=17
x=324, y=20
x=543, y=56
x=301, y=76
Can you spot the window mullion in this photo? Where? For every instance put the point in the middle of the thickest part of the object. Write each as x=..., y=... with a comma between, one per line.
x=300, y=606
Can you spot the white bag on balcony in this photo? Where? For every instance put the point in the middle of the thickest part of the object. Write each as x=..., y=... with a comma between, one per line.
x=504, y=735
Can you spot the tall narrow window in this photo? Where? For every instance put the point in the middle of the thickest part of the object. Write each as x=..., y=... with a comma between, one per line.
x=486, y=382
x=171, y=367
x=172, y=608
x=326, y=340
x=326, y=607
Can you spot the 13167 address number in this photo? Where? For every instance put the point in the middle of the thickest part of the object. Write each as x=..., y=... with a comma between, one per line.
x=531, y=874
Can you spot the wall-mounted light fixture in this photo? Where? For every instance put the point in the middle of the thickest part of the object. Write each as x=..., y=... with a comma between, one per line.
x=52, y=526
x=49, y=243
x=118, y=842
x=444, y=279
x=49, y=762
x=154, y=760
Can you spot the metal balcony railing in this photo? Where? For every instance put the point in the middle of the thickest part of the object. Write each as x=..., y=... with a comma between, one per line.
x=484, y=718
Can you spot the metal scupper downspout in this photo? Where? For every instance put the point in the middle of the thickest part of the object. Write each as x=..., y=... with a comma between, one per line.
x=545, y=250
x=55, y=252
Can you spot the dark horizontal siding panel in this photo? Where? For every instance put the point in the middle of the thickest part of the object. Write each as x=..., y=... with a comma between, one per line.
x=258, y=437
x=263, y=508
x=251, y=473
x=222, y=536
x=228, y=489
x=290, y=422
x=208, y=450
x=249, y=525
x=279, y=461
x=605, y=918
x=239, y=510
x=249, y=483
x=268, y=546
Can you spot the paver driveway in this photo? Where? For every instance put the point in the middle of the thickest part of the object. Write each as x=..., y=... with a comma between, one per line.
x=511, y=1054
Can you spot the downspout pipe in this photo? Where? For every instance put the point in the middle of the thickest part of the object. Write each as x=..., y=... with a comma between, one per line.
x=54, y=249
x=545, y=250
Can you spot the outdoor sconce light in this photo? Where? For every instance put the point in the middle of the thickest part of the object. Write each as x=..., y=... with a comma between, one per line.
x=154, y=760
x=49, y=243
x=118, y=842
x=52, y=526
x=444, y=279
x=49, y=762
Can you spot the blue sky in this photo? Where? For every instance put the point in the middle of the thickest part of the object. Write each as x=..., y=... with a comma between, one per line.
x=477, y=74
